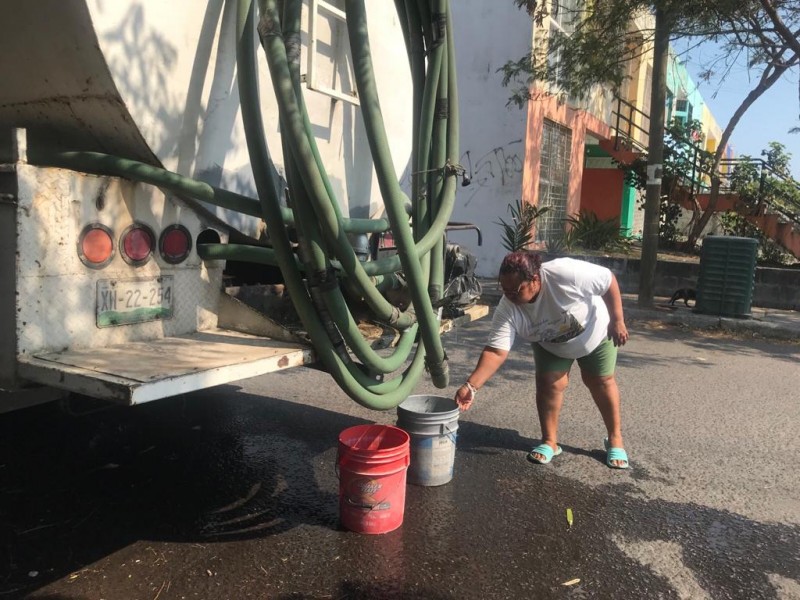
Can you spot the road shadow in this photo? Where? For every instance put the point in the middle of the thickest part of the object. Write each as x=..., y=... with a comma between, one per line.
x=236, y=466
x=201, y=468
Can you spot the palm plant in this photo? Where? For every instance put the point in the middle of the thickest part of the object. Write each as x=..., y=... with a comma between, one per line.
x=589, y=232
x=518, y=234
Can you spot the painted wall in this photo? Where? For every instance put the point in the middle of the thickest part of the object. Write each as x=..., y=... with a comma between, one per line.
x=601, y=192
x=487, y=35
x=580, y=123
x=681, y=86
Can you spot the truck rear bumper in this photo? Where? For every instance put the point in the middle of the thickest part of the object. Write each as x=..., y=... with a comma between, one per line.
x=137, y=372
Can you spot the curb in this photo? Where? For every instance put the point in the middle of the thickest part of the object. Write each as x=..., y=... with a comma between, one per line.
x=781, y=331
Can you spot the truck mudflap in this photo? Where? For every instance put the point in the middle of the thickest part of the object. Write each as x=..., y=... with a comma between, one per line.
x=138, y=372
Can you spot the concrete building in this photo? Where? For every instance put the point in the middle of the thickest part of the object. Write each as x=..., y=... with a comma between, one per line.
x=158, y=82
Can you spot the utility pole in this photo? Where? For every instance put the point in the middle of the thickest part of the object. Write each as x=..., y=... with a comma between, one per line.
x=655, y=155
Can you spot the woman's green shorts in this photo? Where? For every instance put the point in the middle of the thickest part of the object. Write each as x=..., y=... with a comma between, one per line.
x=601, y=362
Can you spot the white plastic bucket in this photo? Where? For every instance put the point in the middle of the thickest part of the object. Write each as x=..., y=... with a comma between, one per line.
x=432, y=423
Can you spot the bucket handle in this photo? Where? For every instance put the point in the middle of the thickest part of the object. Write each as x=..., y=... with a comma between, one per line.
x=451, y=434
x=406, y=460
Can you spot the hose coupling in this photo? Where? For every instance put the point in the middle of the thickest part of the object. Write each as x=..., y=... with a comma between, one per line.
x=439, y=29
x=324, y=281
x=293, y=45
x=439, y=371
x=442, y=110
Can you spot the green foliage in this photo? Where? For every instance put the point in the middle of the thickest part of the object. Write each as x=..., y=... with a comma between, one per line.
x=686, y=166
x=518, y=234
x=767, y=185
x=668, y=215
x=769, y=252
x=685, y=163
x=778, y=159
x=596, y=41
x=763, y=188
x=559, y=245
x=588, y=232
x=585, y=56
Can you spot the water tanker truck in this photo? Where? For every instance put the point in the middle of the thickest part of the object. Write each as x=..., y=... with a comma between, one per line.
x=189, y=192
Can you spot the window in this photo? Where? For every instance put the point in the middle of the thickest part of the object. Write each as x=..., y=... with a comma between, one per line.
x=563, y=16
x=330, y=68
x=553, y=180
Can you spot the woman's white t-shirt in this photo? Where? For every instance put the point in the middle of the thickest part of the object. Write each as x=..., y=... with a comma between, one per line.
x=568, y=318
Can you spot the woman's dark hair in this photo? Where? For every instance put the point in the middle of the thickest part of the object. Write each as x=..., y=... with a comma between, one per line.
x=523, y=263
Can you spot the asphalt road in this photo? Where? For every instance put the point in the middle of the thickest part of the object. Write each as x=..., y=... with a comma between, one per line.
x=232, y=493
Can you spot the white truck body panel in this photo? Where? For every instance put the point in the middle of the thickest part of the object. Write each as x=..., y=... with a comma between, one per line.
x=56, y=304
x=154, y=80
x=57, y=338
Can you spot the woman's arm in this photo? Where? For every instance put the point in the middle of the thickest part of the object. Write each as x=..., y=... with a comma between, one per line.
x=616, y=328
x=488, y=363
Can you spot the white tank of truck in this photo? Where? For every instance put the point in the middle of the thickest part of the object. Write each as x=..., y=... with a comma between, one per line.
x=105, y=293
x=157, y=82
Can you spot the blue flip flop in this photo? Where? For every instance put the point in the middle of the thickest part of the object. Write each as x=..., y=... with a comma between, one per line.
x=615, y=454
x=546, y=451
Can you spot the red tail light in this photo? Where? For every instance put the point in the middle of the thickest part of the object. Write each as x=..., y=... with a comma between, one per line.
x=175, y=244
x=136, y=244
x=96, y=246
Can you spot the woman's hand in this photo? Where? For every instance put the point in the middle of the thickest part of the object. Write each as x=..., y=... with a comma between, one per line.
x=465, y=396
x=618, y=332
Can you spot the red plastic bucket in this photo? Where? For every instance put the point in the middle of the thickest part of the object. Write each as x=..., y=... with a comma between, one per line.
x=373, y=460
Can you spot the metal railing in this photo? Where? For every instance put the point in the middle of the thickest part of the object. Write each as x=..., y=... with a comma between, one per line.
x=786, y=206
x=628, y=129
x=629, y=134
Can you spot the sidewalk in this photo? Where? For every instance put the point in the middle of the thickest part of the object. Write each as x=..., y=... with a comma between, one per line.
x=766, y=322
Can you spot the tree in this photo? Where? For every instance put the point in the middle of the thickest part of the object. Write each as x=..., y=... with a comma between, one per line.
x=758, y=183
x=685, y=163
x=598, y=42
x=766, y=32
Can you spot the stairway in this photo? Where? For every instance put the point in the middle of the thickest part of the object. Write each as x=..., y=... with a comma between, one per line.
x=784, y=233
x=780, y=226
x=779, y=221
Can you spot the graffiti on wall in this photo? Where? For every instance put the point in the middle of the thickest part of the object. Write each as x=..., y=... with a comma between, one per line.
x=496, y=168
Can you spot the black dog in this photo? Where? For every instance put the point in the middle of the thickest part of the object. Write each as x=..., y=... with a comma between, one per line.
x=684, y=294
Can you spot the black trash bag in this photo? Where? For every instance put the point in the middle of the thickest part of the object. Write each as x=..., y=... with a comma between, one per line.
x=458, y=261
x=461, y=289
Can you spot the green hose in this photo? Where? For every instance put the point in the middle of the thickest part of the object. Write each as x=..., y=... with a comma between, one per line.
x=296, y=133
x=325, y=290
x=99, y=163
x=358, y=385
x=362, y=64
x=326, y=253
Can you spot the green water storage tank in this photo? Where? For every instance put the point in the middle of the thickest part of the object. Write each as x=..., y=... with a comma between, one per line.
x=727, y=273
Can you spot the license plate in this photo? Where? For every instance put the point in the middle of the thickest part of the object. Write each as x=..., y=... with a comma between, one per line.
x=128, y=301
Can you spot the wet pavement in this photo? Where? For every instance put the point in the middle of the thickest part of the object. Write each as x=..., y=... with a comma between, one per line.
x=232, y=492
